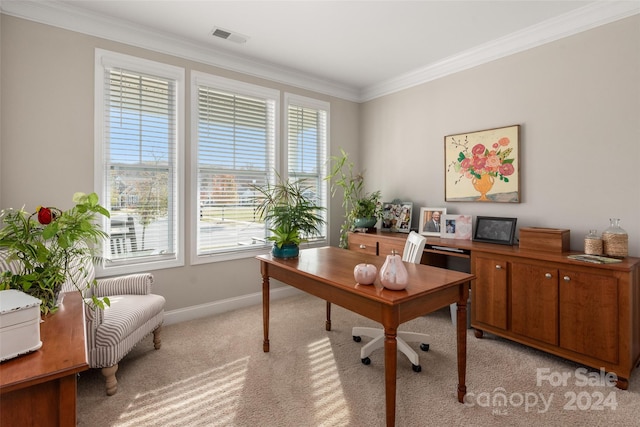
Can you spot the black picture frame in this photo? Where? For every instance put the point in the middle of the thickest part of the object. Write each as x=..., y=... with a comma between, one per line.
x=492, y=229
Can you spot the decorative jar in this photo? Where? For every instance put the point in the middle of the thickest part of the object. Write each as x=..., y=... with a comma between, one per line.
x=615, y=241
x=393, y=273
x=593, y=243
x=365, y=274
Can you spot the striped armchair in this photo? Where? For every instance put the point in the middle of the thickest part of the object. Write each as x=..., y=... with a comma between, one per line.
x=111, y=333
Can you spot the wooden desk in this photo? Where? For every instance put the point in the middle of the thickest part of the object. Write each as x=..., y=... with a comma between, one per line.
x=328, y=274
x=39, y=388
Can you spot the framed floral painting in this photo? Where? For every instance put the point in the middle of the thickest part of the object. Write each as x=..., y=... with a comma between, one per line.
x=483, y=166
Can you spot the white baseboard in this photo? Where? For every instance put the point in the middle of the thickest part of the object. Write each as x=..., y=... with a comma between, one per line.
x=217, y=307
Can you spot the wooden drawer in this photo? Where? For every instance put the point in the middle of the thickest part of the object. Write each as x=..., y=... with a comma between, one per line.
x=387, y=245
x=361, y=242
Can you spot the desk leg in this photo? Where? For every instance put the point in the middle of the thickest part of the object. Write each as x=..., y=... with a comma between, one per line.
x=327, y=324
x=265, y=310
x=461, y=323
x=390, y=366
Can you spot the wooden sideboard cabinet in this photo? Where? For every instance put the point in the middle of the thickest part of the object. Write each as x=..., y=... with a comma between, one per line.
x=587, y=313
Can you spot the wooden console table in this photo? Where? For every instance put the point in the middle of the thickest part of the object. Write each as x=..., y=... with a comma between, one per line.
x=39, y=388
x=328, y=274
x=584, y=312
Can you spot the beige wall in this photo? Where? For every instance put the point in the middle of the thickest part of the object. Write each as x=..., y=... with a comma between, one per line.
x=577, y=100
x=578, y=103
x=47, y=83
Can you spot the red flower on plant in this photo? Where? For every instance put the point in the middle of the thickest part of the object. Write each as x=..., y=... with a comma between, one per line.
x=45, y=216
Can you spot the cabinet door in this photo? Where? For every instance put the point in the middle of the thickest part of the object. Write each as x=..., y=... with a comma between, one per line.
x=589, y=314
x=361, y=242
x=534, y=302
x=489, y=292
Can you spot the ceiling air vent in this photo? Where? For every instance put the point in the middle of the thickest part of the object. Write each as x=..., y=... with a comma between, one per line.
x=228, y=35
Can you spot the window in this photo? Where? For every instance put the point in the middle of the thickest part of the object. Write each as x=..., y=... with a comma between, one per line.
x=235, y=126
x=235, y=130
x=307, y=130
x=139, y=106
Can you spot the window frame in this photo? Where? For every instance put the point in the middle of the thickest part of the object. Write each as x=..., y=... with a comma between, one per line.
x=291, y=99
x=105, y=59
x=281, y=148
x=240, y=88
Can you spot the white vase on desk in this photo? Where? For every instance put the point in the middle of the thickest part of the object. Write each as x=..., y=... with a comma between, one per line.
x=393, y=273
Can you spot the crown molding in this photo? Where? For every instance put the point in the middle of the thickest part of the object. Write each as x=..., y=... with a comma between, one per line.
x=75, y=19
x=579, y=20
x=72, y=18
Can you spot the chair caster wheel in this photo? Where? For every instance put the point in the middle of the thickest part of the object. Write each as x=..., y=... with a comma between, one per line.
x=357, y=338
x=366, y=361
x=424, y=347
x=416, y=368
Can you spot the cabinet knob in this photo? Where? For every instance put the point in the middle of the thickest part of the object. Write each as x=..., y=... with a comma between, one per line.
x=567, y=278
x=363, y=246
x=498, y=267
x=548, y=275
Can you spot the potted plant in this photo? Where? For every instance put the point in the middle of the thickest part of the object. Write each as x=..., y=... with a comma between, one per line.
x=47, y=244
x=362, y=209
x=293, y=215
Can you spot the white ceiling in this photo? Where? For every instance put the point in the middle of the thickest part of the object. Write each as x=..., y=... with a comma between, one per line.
x=360, y=48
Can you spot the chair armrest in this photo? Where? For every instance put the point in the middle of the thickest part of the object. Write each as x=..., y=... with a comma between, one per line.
x=132, y=284
x=93, y=315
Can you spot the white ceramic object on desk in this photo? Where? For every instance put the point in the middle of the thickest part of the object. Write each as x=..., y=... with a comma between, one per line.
x=393, y=273
x=365, y=274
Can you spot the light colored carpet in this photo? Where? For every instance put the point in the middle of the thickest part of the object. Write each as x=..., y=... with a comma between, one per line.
x=213, y=372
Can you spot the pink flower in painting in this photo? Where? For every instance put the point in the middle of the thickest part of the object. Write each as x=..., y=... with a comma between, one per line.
x=493, y=162
x=481, y=161
x=478, y=150
x=506, y=169
x=504, y=141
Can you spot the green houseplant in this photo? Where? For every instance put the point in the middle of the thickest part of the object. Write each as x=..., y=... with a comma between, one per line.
x=291, y=213
x=46, y=245
x=362, y=209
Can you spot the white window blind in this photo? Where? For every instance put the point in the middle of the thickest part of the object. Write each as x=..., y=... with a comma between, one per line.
x=139, y=164
x=307, y=146
x=236, y=134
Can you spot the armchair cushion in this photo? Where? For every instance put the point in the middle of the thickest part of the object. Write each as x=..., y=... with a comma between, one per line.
x=132, y=284
x=126, y=314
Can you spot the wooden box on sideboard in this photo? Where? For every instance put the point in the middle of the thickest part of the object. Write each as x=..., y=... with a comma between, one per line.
x=544, y=239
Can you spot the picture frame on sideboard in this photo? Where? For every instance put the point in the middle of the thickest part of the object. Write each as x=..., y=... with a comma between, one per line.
x=396, y=216
x=456, y=227
x=495, y=230
x=430, y=221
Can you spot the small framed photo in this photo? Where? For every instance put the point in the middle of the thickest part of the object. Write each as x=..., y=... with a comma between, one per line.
x=396, y=216
x=430, y=221
x=456, y=227
x=491, y=229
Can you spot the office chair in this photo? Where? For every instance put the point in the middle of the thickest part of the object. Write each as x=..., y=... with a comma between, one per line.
x=412, y=253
